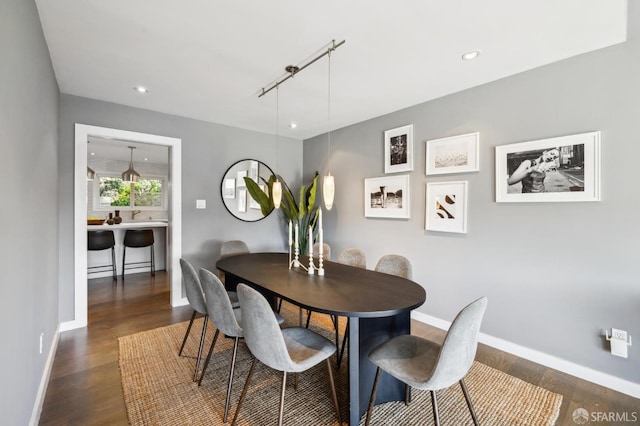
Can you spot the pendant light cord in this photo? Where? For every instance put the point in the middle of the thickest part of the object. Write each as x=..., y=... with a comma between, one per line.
x=329, y=114
x=277, y=130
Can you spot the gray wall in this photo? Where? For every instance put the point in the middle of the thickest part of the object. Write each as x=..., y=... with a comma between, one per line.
x=208, y=149
x=556, y=274
x=29, y=231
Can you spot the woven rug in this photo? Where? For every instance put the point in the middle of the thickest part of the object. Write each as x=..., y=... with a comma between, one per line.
x=158, y=389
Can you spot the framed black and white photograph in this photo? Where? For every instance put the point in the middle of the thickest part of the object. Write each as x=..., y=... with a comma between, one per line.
x=387, y=197
x=446, y=209
x=398, y=149
x=455, y=154
x=229, y=189
x=565, y=168
x=242, y=200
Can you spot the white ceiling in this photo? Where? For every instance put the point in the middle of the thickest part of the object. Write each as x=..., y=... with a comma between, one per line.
x=208, y=59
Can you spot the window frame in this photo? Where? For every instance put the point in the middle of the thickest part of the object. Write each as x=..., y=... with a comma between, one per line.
x=96, y=194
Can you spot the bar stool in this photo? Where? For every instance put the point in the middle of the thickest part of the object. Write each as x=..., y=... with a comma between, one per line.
x=138, y=238
x=102, y=240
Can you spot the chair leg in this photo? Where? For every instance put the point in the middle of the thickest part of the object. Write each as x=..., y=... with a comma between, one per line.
x=281, y=409
x=334, y=395
x=407, y=395
x=206, y=363
x=124, y=254
x=344, y=343
x=469, y=404
x=244, y=392
x=434, y=403
x=113, y=264
x=308, y=319
x=202, y=336
x=153, y=262
x=186, y=335
x=372, y=400
x=233, y=365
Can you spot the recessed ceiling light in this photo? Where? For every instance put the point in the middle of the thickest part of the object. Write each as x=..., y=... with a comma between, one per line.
x=293, y=125
x=93, y=153
x=141, y=89
x=469, y=56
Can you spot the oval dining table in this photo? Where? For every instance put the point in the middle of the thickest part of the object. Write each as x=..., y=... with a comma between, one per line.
x=378, y=307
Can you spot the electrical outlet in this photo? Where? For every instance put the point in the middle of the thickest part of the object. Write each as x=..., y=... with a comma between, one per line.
x=618, y=334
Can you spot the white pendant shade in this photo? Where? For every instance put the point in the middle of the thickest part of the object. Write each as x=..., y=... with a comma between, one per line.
x=328, y=191
x=277, y=194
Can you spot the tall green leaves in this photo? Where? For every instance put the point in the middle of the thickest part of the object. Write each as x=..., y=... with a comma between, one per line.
x=304, y=212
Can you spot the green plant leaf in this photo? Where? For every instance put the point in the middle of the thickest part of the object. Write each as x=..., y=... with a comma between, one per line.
x=266, y=205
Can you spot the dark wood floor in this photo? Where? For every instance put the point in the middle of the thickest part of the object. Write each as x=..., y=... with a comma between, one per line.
x=85, y=389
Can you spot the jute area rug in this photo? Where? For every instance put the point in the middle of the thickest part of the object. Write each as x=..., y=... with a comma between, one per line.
x=158, y=389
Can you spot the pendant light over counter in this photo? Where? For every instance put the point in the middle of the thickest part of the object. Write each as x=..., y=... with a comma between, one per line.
x=328, y=186
x=130, y=175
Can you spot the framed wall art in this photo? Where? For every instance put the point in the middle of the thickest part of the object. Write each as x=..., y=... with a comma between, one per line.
x=456, y=154
x=565, y=168
x=398, y=149
x=446, y=207
x=242, y=200
x=229, y=189
x=387, y=197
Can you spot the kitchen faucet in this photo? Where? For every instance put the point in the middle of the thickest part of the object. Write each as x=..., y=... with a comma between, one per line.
x=134, y=213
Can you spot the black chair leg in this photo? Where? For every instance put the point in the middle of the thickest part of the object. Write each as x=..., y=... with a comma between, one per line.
x=334, y=395
x=206, y=363
x=233, y=365
x=204, y=333
x=113, y=264
x=153, y=262
x=244, y=392
x=469, y=404
x=434, y=403
x=372, y=400
x=281, y=409
x=186, y=335
x=344, y=343
x=124, y=254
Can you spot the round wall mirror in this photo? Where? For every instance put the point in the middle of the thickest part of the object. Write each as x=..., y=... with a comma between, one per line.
x=234, y=192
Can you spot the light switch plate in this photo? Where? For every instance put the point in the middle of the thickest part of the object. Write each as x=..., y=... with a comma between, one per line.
x=201, y=204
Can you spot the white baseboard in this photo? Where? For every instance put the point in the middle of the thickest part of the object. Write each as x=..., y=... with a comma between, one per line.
x=44, y=381
x=582, y=372
x=180, y=302
x=71, y=325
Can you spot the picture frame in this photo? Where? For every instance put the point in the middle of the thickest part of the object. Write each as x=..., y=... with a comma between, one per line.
x=240, y=175
x=254, y=170
x=253, y=204
x=387, y=197
x=559, y=169
x=455, y=154
x=242, y=200
x=229, y=189
x=398, y=149
x=446, y=206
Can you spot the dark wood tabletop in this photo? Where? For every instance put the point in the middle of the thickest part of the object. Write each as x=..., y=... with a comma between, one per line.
x=343, y=290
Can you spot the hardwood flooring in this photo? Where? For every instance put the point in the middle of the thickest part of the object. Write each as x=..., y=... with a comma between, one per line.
x=85, y=389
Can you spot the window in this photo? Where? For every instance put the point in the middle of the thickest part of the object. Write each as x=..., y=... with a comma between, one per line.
x=146, y=194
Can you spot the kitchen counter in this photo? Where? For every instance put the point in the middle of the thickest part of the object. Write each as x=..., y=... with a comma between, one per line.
x=129, y=225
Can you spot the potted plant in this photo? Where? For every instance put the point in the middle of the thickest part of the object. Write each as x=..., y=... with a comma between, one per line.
x=304, y=212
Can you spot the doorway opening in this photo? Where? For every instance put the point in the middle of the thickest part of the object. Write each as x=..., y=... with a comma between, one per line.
x=174, y=231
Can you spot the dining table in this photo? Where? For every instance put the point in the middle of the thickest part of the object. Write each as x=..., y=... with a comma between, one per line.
x=378, y=307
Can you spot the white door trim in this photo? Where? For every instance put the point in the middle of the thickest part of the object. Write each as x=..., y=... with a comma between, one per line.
x=174, y=232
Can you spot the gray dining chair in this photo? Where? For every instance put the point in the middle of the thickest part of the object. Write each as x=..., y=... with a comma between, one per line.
x=326, y=251
x=395, y=264
x=225, y=318
x=289, y=350
x=353, y=257
x=232, y=248
x=196, y=300
x=425, y=365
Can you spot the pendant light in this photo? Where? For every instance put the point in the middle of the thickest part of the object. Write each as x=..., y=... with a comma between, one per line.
x=130, y=175
x=277, y=185
x=328, y=184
